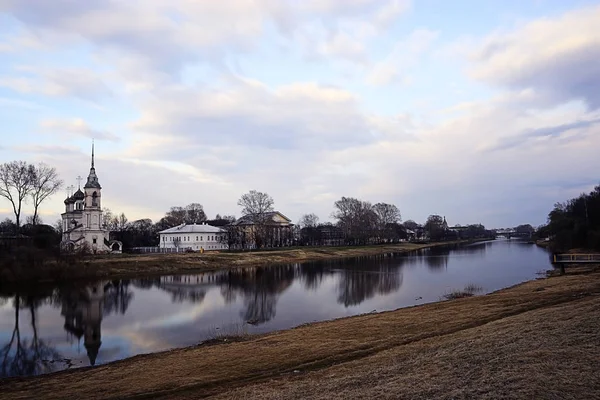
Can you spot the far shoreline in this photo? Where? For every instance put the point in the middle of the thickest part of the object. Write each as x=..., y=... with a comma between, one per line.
x=124, y=266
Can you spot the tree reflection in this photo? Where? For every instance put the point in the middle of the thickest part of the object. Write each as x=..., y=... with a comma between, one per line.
x=363, y=278
x=117, y=297
x=260, y=289
x=27, y=356
x=312, y=274
x=190, y=288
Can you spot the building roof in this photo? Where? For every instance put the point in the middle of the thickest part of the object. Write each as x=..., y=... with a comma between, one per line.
x=269, y=216
x=79, y=195
x=92, y=180
x=193, y=228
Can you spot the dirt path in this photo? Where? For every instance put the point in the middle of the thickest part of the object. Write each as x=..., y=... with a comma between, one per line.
x=540, y=339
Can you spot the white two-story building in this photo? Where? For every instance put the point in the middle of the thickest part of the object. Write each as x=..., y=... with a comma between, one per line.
x=193, y=237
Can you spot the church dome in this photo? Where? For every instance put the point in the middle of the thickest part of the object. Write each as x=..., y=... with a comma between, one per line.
x=69, y=200
x=79, y=195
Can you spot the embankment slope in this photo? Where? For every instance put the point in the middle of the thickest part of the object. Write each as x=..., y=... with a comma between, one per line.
x=540, y=339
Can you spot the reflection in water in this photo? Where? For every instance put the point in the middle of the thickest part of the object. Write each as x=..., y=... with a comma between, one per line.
x=23, y=356
x=364, y=277
x=175, y=311
x=259, y=287
x=82, y=309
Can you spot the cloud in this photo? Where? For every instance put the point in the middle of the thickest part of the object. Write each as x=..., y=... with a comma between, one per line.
x=556, y=57
x=299, y=115
x=570, y=131
x=58, y=82
x=167, y=35
x=405, y=56
x=76, y=127
x=194, y=131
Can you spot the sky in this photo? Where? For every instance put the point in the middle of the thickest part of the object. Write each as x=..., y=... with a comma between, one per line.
x=483, y=112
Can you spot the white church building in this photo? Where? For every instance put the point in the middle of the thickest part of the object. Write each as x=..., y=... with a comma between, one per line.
x=192, y=237
x=82, y=220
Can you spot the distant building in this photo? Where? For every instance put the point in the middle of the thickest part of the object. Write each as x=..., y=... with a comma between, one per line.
x=193, y=237
x=82, y=220
x=277, y=229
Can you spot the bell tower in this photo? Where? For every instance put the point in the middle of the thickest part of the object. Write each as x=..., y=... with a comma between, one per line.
x=92, y=188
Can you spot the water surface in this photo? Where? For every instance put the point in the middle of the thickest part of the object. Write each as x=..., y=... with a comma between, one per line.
x=94, y=323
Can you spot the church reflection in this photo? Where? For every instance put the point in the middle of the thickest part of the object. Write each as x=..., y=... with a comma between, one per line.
x=84, y=307
x=82, y=310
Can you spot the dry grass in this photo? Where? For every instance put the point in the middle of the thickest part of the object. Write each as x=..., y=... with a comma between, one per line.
x=469, y=290
x=540, y=339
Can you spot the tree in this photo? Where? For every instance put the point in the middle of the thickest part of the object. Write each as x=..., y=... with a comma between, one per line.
x=309, y=221
x=33, y=220
x=16, y=183
x=388, y=216
x=108, y=219
x=45, y=183
x=122, y=222
x=8, y=226
x=525, y=229
x=434, y=227
x=58, y=227
x=191, y=214
x=356, y=218
x=576, y=223
x=194, y=214
x=410, y=224
x=255, y=205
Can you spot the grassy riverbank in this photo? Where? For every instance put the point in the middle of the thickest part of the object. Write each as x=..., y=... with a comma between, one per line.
x=132, y=265
x=535, y=340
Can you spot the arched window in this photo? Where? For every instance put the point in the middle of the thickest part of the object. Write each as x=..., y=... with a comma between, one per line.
x=94, y=199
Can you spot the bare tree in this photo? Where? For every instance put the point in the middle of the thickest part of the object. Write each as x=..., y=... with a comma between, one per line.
x=230, y=218
x=356, y=218
x=255, y=205
x=58, y=227
x=194, y=214
x=107, y=219
x=388, y=216
x=16, y=183
x=309, y=221
x=387, y=213
x=121, y=222
x=33, y=220
x=45, y=183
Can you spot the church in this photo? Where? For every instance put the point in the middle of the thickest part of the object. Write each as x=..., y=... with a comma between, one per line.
x=82, y=223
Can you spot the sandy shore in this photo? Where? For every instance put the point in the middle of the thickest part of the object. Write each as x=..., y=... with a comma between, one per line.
x=540, y=339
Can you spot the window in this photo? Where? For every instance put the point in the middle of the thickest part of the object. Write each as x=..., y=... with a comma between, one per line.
x=94, y=241
x=201, y=238
x=94, y=199
x=196, y=238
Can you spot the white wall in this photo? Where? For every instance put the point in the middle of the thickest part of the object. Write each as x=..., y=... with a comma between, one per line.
x=195, y=241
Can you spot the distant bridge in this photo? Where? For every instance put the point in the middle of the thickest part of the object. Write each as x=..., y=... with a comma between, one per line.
x=511, y=232
x=507, y=231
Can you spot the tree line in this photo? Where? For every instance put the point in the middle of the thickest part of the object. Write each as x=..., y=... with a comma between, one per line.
x=574, y=223
x=355, y=221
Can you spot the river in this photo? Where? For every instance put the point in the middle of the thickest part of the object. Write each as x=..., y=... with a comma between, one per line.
x=75, y=325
